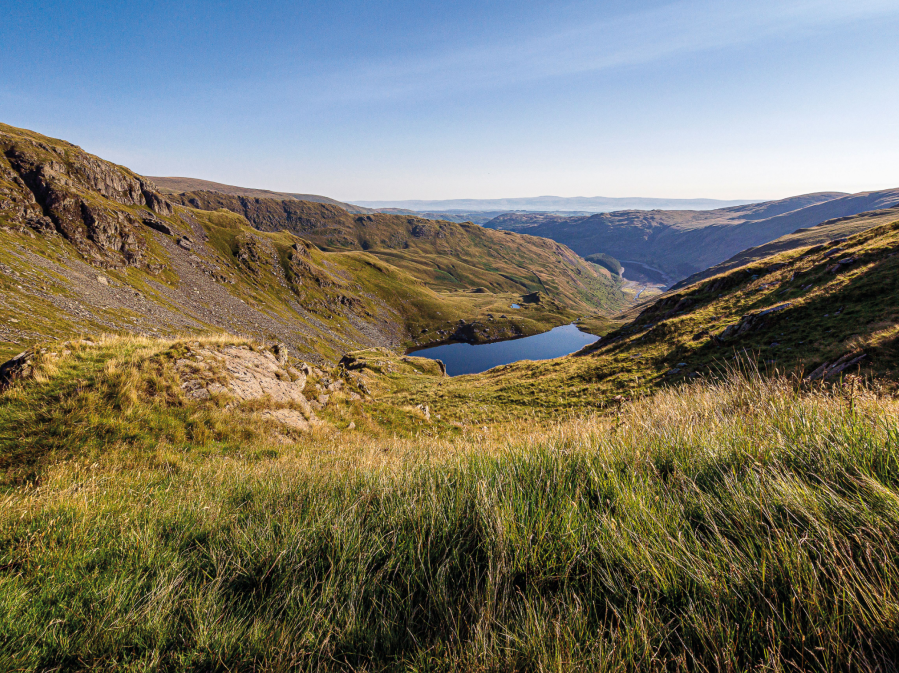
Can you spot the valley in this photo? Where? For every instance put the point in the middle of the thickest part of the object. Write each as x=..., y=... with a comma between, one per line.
x=111, y=254
x=219, y=431
x=682, y=243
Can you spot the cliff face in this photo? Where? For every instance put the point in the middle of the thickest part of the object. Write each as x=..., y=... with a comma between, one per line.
x=56, y=187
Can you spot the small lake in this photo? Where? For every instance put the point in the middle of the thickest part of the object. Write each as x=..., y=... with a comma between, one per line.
x=463, y=358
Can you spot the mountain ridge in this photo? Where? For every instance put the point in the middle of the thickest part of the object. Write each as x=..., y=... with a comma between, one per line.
x=682, y=243
x=562, y=203
x=177, y=185
x=445, y=252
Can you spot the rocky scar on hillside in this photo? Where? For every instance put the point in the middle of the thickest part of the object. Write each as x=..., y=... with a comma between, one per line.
x=97, y=206
x=246, y=374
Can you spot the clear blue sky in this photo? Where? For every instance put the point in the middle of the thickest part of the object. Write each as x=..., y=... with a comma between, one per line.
x=363, y=99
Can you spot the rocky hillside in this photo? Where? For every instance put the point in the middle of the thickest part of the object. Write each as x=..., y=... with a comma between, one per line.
x=53, y=187
x=681, y=243
x=174, y=185
x=88, y=247
x=444, y=255
x=818, y=312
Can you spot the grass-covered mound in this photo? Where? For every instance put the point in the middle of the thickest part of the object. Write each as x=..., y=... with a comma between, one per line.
x=608, y=262
x=731, y=526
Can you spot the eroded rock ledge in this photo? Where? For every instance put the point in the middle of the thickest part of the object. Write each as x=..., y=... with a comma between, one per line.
x=247, y=374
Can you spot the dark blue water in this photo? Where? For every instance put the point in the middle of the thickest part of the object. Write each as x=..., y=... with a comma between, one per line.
x=462, y=358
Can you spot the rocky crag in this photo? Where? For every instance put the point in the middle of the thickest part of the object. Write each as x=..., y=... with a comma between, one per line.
x=89, y=247
x=100, y=208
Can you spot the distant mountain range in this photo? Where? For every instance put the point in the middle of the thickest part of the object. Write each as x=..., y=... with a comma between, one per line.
x=684, y=242
x=590, y=204
x=679, y=238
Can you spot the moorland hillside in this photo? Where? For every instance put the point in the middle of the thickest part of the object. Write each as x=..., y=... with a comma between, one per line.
x=250, y=475
x=682, y=243
x=445, y=255
x=90, y=247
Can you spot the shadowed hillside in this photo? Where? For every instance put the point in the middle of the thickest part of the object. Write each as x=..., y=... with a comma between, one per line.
x=825, y=232
x=681, y=243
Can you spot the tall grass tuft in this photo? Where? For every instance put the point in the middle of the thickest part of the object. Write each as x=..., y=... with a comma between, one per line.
x=739, y=525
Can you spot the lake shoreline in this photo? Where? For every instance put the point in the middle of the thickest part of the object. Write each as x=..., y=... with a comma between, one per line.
x=464, y=357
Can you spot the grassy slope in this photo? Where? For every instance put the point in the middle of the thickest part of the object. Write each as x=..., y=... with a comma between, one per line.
x=827, y=315
x=445, y=255
x=735, y=526
x=825, y=232
x=685, y=242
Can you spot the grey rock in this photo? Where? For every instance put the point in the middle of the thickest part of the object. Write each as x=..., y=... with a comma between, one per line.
x=158, y=225
x=247, y=375
x=19, y=367
x=828, y=370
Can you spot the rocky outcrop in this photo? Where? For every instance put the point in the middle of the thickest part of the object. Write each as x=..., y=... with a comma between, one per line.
x=383, y=361
x=22, y=366
x=60, y=188
x=19, y=367
x=245, y=374
x=831, y=369
x=751, y=322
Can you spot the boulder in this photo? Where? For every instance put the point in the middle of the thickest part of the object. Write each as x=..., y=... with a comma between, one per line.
x=157, y=225
x=19, y=367
x=828, y=370
x=242, y=373
x=280, y=351
x=289, y=417
x=751, y=322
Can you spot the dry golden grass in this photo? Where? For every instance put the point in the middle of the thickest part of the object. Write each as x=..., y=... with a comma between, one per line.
x=737, y=525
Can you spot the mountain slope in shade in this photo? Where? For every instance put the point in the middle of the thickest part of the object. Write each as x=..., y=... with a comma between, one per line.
x=825, y=232
x=174, y=185
x=681, y=243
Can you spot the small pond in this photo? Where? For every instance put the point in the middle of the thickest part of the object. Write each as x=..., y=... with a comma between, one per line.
x=463, y=358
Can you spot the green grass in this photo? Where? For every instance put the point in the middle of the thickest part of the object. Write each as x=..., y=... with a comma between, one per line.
x=444, y=256
x=828, y=314
x=739, y=526
x=825, y=232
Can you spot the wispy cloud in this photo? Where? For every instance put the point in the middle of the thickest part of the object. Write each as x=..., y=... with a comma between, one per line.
x=687, y=26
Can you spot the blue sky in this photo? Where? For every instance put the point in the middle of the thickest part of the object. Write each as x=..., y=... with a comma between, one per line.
x=427, y=100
